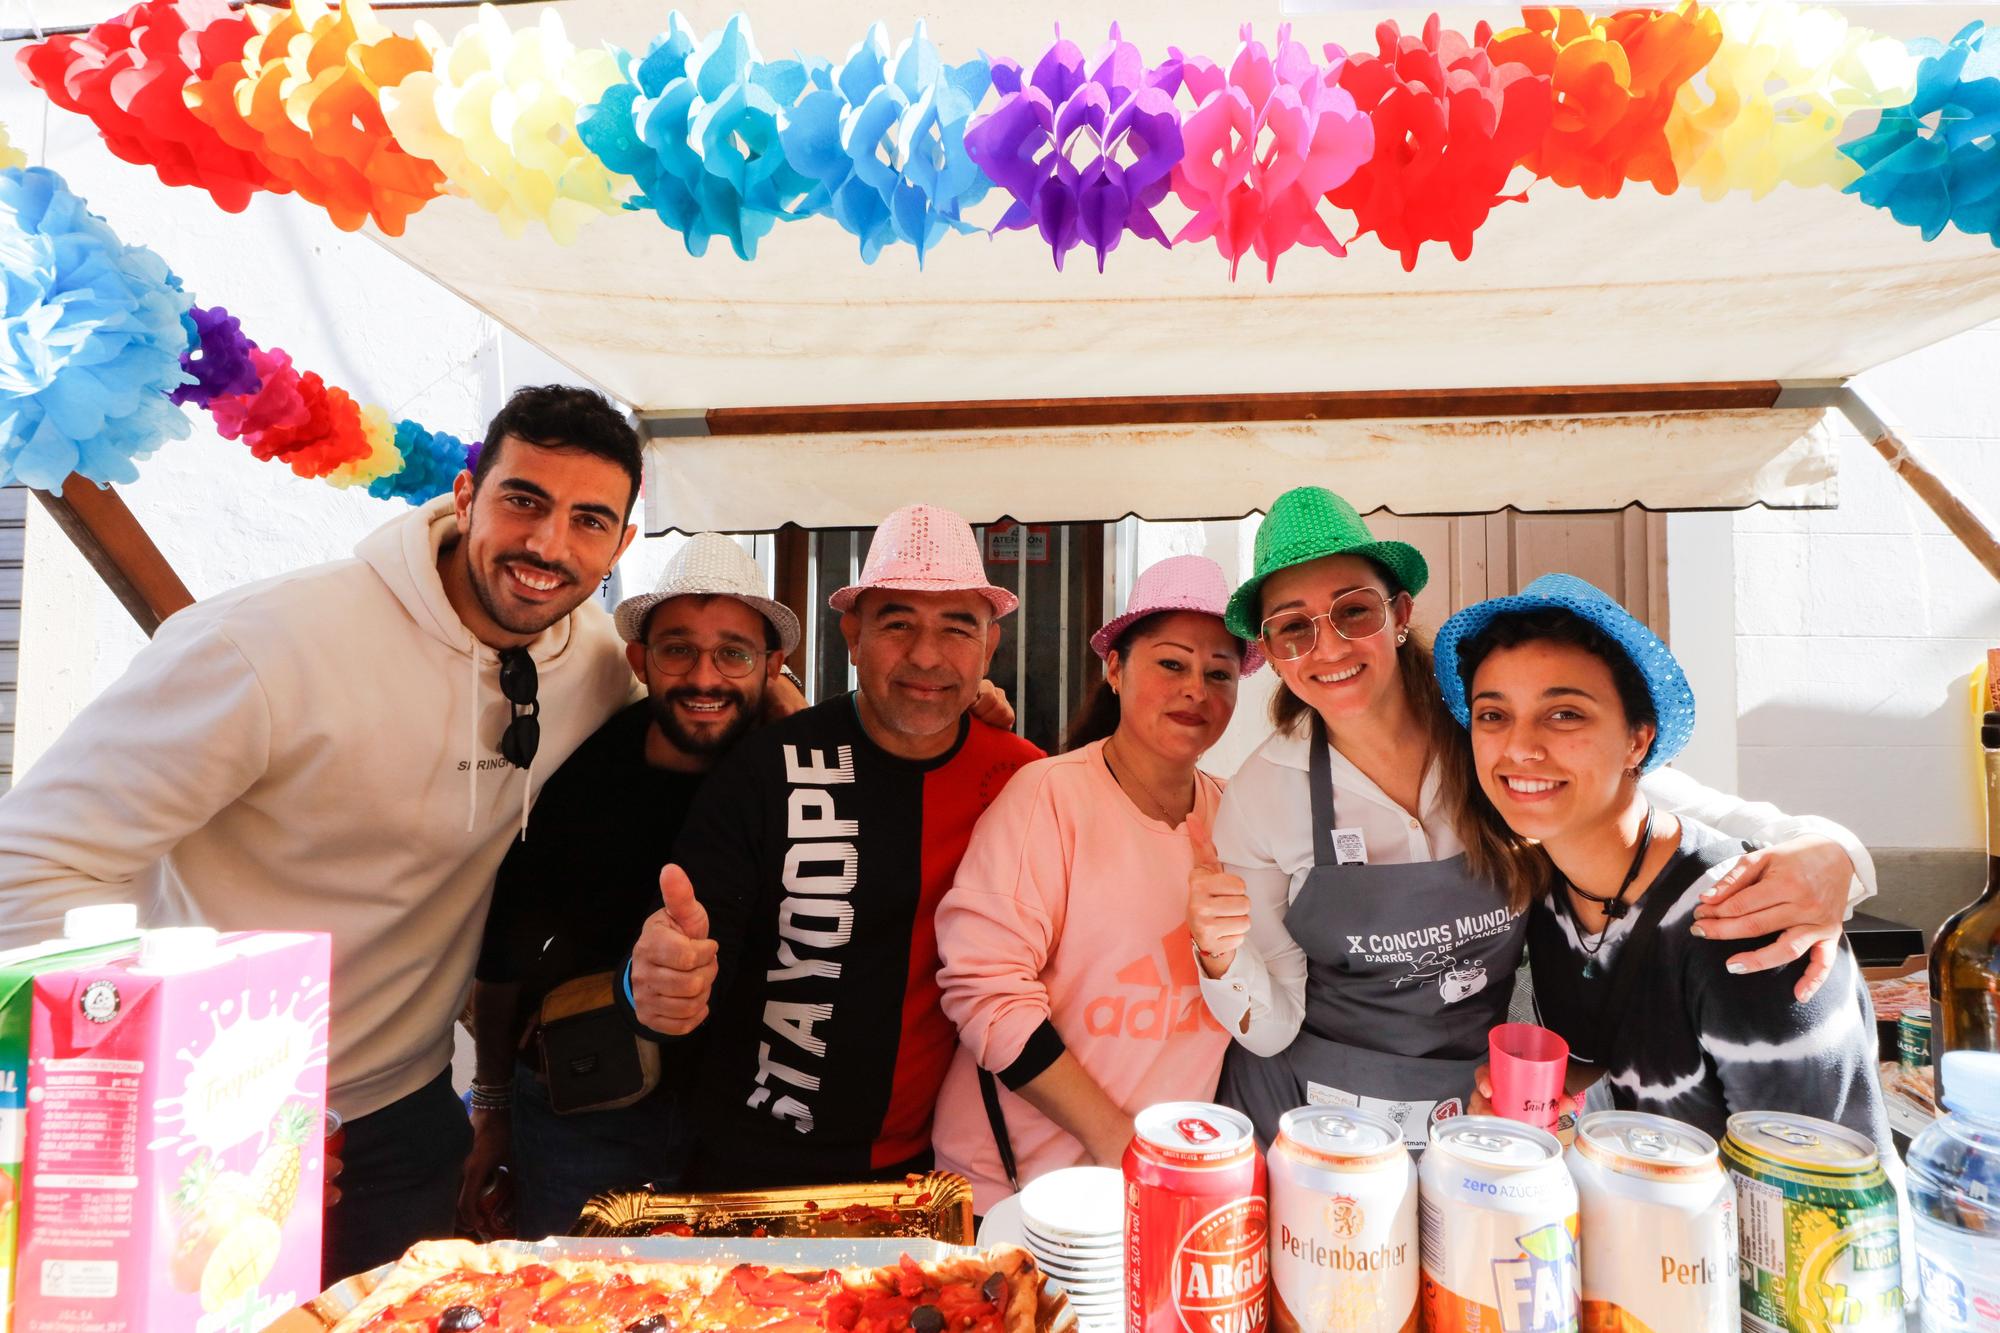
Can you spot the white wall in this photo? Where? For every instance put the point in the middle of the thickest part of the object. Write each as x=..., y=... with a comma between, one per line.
x=343, y=306
x=1857, y=628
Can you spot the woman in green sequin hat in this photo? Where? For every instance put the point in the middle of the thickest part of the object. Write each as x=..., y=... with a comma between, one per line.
x=1347, y=914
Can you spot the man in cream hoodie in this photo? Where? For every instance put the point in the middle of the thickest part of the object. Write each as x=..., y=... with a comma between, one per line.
x=324, y=751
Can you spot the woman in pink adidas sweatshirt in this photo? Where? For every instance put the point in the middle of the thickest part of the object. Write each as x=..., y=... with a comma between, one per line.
x=1068, y=967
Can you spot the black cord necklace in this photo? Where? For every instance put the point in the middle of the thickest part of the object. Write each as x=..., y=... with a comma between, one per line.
x=1615, y=907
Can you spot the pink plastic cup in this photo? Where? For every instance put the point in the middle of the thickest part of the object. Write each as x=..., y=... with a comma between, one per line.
x=1527, y=1065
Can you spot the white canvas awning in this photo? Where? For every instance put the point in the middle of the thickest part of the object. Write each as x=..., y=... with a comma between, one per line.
x=1803, y=285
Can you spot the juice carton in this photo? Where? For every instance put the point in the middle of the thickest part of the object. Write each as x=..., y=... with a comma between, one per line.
x=175, y=1149
x=89, y=933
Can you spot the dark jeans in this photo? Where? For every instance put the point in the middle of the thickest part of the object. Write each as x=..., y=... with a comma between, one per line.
x=560, y=1161
x=398, y=1182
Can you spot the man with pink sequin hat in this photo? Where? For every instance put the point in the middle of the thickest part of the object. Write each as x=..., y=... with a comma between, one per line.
x=795, y=938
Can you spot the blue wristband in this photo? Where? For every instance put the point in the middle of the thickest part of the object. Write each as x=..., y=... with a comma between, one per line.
x=625, y=981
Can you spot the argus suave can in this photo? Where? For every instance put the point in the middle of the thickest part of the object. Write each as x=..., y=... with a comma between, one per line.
x=1659, y=1225
x=1196, y=1229
x=1343, y=1224
x=1498, y=1222
x=1819, y=1245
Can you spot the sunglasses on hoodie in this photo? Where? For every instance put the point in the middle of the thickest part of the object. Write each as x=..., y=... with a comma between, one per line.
x=518, y=683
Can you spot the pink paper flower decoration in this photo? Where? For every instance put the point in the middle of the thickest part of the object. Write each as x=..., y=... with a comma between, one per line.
x=1450, y=125
x=1264, y=145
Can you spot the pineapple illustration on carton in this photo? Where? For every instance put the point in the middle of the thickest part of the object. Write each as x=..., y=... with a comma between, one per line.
x=176, y=1129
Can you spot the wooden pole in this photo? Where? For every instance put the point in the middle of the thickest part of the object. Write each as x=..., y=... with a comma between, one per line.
x=1972, y=528
x=117, y=547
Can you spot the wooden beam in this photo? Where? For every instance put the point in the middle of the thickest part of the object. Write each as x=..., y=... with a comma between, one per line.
x=1204, y=409
x=790, y=575
x=117, y=547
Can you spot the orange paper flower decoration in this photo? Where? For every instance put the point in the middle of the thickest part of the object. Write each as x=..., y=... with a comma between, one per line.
x=127, y=75
x=1615, y=79
x=382, y=457
x=305, y=97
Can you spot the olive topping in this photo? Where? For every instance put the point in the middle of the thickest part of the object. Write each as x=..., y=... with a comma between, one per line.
x=460, y=1319
x=995, y=1284
x=927, y=1319
x=652, y=1323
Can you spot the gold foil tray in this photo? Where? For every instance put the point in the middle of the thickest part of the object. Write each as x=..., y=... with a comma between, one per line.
x=936, y=1207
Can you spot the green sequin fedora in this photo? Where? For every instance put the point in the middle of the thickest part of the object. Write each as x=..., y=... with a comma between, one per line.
x=1306, y=523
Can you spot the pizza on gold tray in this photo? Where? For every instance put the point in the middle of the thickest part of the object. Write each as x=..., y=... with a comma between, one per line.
x=461, y=1287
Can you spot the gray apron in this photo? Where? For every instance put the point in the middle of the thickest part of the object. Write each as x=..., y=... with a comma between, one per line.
x=1407, y=968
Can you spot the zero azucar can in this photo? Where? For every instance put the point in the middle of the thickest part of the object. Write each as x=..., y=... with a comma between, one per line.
x=1658, y=1226
x=1498, y=1228
x=1197, y=1234
x=1819, y=1248
x=1344, y=1255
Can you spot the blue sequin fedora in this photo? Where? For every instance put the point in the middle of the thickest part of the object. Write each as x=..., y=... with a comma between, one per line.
x=1673, y=698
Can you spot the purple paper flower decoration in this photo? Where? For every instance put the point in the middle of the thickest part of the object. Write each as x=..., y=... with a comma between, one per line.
x=220, y=360
x=1268, y=141
x=1086, y=148
x=1937, y=161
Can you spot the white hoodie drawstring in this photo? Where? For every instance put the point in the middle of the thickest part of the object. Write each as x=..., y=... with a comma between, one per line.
x=472, y=748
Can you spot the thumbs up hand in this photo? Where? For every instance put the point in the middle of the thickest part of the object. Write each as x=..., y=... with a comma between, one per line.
x=1218, y=914
x=673, y=964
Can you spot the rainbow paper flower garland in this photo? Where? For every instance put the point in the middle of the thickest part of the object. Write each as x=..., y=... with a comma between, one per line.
x=104, y=346
x=1266, y=148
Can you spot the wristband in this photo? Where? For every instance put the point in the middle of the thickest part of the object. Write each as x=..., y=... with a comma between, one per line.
x=492, y=1097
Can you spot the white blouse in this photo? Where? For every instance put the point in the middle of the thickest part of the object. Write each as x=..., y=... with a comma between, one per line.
x=1263, y=833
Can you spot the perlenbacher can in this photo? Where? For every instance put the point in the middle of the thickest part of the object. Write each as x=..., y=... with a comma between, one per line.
x=1659, y=1226
x=1497, y=1219
x=1817, y=1220
x=1344, y=1253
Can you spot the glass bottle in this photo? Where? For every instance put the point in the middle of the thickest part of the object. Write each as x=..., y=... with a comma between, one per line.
x=1965, y=957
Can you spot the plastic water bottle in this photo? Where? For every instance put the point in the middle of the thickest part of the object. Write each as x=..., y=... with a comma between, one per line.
x=1954, y=1192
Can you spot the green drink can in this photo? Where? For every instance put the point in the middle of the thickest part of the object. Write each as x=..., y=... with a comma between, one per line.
x=1913, y=1039
x=1820, y=1251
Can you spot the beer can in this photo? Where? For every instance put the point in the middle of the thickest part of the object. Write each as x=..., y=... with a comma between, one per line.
x=1497, y=1227
x=1343, y=1224
x=1197, y=1236
x=1913, y=1039
x=1658, y=1221
x=1816, y=1217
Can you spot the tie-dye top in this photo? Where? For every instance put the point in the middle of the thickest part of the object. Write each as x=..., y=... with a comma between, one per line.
x=1700, y=1043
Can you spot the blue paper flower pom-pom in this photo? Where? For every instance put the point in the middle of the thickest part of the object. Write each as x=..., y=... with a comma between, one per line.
x=91, y=339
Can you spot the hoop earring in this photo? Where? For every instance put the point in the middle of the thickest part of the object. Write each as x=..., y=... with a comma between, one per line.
x=1402, y=637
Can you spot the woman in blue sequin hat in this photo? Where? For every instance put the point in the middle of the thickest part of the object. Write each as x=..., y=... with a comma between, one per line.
x=1568, y=699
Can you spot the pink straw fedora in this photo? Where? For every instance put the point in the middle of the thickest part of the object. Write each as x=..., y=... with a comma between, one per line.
x=1178, y=583
x=921, y=548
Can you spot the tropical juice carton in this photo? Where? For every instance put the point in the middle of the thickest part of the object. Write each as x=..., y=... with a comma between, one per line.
x=175, y=1136
x=89, y=933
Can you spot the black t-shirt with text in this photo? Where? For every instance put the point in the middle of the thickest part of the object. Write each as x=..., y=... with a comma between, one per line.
x=572, y=897
x=820, y=859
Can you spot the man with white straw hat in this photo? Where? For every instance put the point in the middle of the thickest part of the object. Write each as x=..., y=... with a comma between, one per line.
x=799, y=940
x=583, y=1104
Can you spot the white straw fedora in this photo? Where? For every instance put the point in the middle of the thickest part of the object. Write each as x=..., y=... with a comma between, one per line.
x=710, y=565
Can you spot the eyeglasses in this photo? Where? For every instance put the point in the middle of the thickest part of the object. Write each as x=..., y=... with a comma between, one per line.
x=677, y=657
x=1357, y=614
x=518, y=681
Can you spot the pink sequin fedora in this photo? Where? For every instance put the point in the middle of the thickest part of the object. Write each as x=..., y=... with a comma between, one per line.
x=1178, y=583
x=921, y=548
